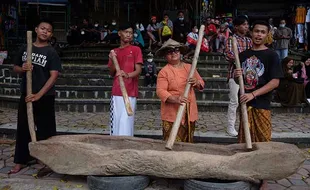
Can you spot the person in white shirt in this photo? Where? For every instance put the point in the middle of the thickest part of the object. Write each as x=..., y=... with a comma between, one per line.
x=191, y=41
x=152, y=31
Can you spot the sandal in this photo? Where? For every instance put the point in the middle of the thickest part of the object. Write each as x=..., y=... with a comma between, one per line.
x=16, y=169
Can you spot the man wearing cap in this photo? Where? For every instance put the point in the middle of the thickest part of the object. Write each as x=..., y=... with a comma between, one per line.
x=130, y=61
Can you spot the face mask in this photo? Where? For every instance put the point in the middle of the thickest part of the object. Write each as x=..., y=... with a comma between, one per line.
x=181, y=18
x=149, y=60
x=196, y=30
x=82, y=32
x=135, y=35
x=96, y=25
x=282, y=25
x=105, y=26
x=113, y=23
x=137, y=25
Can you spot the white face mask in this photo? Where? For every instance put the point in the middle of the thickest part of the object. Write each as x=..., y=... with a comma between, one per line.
x=96, y=25
x=105, y=26
x=149, y=60
x=113, y=23
x=82, y=32
x=282, y=25
x=135, y=35
x=196, y=30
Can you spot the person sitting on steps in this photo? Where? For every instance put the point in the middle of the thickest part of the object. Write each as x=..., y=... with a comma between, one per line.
x=150, y=71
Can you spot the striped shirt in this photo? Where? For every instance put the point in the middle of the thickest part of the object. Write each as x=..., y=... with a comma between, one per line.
x=243, y=43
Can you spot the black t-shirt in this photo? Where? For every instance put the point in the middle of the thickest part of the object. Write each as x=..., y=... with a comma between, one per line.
x=180, y=27
x=259, y=68
x=44, y=60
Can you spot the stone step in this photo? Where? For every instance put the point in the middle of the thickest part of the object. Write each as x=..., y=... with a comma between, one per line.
x=6, y=70
x=159, y=62
x=93, y=47
x=108, y=47
x=103, y=69
x=88, y=53
x=99, y=92
x=103, y=80
x=103, y=105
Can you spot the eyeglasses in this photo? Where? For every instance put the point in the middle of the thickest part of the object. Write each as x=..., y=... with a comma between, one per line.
x=173, y=50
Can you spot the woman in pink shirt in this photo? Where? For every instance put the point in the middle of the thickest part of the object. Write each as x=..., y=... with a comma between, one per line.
x=171, y=83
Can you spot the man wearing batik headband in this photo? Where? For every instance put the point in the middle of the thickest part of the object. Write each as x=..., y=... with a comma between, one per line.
x=171, y=83
x=130, y=61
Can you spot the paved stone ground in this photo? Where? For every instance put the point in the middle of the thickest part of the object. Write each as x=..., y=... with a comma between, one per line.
x=146, y=121
x=150, y=121
x=27, y=178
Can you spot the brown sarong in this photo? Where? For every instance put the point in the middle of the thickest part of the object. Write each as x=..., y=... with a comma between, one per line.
x=259, y=123
x=186, y=130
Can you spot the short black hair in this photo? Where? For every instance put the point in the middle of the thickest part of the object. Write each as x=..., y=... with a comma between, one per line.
x=240, y=20
x=304, y=58
x=166, y=15
x=48, y=21
x=261, y=22
x=125, y=26
x=180, y=12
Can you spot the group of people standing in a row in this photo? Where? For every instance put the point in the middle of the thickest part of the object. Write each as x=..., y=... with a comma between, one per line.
x=261, y=70
x=293, y=87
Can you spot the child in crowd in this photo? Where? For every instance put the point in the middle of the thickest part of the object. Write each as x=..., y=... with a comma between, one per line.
x=221, y=39
x=138, y=38
x=191, y=42
x=150, y=71
x=152, y=31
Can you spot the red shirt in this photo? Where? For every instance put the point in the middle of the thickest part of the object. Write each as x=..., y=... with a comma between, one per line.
x=210, y=28
x=127, y=57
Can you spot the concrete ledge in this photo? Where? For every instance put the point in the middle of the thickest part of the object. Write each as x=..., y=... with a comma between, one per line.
x=103, y=105
x=298, y=138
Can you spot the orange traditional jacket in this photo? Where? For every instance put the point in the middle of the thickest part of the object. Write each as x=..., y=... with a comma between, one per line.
x=170, y=82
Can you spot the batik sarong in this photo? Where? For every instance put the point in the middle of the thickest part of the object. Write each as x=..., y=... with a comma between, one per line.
x=259, y=123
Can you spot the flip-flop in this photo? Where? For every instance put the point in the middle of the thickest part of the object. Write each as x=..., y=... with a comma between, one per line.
x=15, y=171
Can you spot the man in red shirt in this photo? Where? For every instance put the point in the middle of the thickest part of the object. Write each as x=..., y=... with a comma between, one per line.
x=130, y=61
x=210, y=32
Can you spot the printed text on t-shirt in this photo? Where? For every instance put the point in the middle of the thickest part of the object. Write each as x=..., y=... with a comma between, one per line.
x=37, y=59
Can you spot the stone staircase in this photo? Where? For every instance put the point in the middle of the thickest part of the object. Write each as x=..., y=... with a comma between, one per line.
x=85, y=85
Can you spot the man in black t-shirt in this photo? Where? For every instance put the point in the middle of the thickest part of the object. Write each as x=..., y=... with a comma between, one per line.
x=180, y=28
x=87, y=32
x=261, y=72
x=45, y=69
